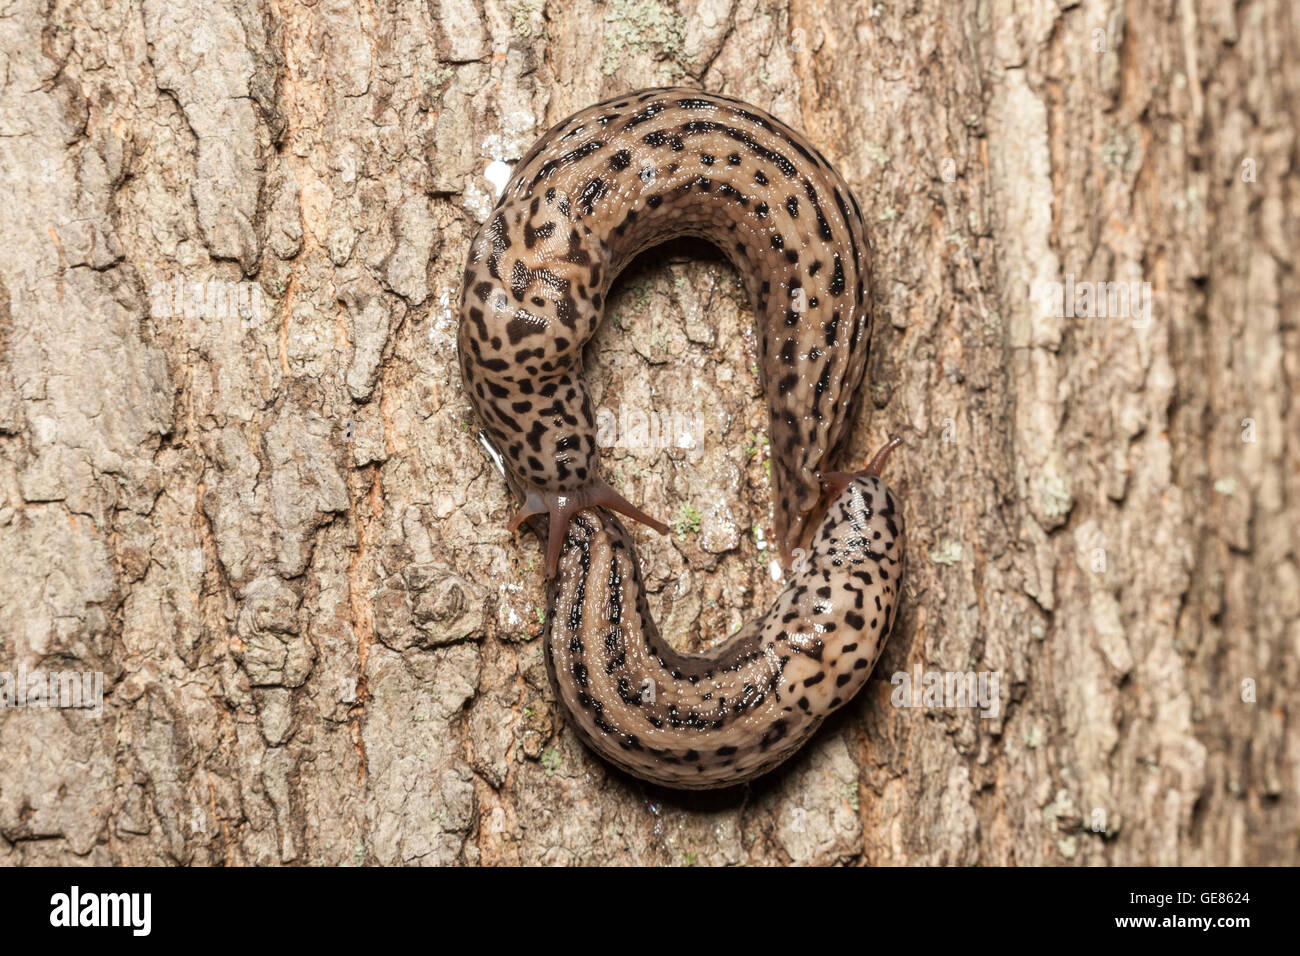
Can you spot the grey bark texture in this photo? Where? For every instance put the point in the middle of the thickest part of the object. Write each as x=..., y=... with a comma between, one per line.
x=264, y=515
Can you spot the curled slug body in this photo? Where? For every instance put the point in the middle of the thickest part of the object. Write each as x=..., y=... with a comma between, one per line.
x=597, y=189
x=698, y=721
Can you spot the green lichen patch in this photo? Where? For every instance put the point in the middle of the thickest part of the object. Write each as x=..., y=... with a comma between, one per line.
x=641, y=26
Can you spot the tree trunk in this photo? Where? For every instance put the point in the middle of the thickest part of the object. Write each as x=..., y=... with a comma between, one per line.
x=241, y=479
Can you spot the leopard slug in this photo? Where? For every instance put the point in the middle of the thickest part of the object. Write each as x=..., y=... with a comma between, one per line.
x=603, y=185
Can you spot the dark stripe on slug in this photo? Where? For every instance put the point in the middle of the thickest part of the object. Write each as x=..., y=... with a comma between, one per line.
x=591, y=195
x=649, y=113
x=773, y=734
x=778, y=159
x=523, y=325
x=580, y=587
x=614, y=643
x=823, y=227
x=549, y=168
x=837, y=276
x=531, y=235
x=801, y=149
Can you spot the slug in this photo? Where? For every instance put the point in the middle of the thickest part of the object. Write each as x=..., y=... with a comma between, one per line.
x=603, y=185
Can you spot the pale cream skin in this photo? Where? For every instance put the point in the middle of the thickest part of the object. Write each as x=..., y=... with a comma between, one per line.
x=597, y=189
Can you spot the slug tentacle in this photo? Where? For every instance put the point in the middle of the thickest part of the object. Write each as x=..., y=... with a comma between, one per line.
x=598, y=188
x=833, y=482
x=561, y=506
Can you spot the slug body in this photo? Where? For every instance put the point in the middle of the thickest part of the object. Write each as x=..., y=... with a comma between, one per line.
x=596, y=190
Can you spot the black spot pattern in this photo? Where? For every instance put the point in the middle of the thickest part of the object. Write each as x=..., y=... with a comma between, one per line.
x=744, y=707
x=594, y=191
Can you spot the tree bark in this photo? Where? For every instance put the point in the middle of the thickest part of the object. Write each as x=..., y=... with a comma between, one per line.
x=262, y=513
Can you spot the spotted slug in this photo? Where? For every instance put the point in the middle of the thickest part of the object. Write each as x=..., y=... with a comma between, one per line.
x=593, y=192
